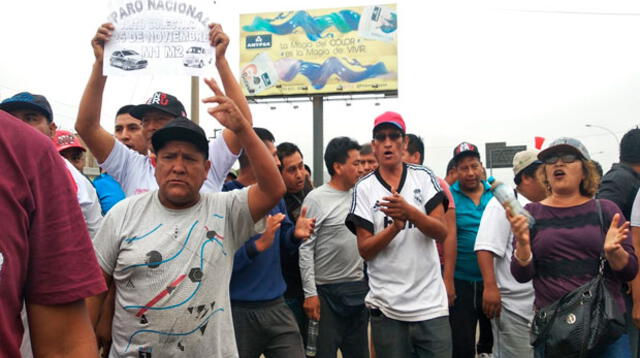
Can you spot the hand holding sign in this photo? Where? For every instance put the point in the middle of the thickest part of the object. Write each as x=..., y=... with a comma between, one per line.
x=102, y=36
x=219, y=40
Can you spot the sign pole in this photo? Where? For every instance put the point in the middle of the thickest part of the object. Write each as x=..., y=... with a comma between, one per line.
x=318, y=140
x=195, y=94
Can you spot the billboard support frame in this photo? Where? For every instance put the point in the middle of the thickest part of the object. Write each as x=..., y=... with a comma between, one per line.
x=318, y=140
x=318, y=120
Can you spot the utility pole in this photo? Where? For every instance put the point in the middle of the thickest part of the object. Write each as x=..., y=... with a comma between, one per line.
x=195, y=103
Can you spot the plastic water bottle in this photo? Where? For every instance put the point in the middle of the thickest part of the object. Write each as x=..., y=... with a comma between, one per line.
x=507, y=198
x=312, y=338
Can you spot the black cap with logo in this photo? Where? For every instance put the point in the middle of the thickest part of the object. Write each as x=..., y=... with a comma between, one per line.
x=162, y=102
x=465, y=149
x=184, y=130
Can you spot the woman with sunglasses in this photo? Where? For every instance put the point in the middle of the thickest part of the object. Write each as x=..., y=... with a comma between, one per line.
x=561, y=252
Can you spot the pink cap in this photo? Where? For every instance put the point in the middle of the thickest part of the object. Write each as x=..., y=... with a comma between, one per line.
x=65, y=140
x=392, y=118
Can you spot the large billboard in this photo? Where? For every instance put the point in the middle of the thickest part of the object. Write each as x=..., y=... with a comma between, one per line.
x=328, y=51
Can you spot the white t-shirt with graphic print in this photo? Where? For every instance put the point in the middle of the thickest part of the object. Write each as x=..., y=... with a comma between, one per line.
x=171, y=270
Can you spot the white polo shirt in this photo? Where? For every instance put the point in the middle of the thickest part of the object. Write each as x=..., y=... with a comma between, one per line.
x=494, y=235
x=405, y=280
x=635, y=211
x=87, y=198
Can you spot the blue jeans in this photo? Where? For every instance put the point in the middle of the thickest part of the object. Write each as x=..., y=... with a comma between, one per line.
x=617, y=349
x=634, y=335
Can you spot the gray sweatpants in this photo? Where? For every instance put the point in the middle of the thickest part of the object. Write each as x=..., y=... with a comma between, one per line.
x=511, y=336
x=267, y=328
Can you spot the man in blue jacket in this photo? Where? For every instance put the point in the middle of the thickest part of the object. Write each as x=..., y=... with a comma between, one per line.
x=263, y=323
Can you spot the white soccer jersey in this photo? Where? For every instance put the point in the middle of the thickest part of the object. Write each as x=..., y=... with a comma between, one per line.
x=405, y=279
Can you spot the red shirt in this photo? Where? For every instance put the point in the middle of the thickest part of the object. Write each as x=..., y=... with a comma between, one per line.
x=46, y=256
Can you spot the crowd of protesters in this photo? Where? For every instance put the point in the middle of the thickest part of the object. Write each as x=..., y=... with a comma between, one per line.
x=165, y=254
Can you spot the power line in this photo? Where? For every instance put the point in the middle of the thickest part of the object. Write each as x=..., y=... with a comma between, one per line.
x=49, y=98
x=567, y=12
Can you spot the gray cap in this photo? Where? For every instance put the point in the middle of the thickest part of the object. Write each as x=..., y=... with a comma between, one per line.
x=571, y=145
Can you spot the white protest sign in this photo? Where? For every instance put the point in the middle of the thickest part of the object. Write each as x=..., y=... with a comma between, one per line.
x=167, y=37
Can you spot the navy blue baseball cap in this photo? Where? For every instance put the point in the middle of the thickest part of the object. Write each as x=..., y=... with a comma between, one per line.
x=184, y=130
x=26, y=100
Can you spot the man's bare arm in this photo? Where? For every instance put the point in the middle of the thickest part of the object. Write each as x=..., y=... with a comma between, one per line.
x=95, y=303
x=370, y=245
x=99, y=141
x=61, y=331
x=450, y=248
x=491, y=300
x=432, y=224
x=269, y=189
x=232, y=88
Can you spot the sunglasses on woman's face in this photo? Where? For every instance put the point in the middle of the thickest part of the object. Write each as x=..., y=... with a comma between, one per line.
x=565, y=157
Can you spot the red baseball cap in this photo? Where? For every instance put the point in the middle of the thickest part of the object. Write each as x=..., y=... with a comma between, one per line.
x=391, y=118
x=65, y=140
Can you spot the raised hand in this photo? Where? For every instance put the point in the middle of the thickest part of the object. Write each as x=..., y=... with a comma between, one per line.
x=102, y=36
x=218, y=39
x=520, y=228
x=615, y=235
x=304, y=225
x=266, y=239
x=226, y=112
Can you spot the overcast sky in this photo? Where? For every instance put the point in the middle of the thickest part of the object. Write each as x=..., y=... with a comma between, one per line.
x=479, y=71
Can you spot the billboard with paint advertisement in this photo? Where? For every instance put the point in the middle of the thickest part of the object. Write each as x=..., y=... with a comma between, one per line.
x=327, y=51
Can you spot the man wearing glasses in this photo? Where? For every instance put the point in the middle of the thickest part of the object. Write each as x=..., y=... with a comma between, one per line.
x=397, y=214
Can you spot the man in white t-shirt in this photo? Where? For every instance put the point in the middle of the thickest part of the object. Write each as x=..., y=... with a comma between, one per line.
x=508, y=303
x=169, y=252
x=134, y=171
x=397, y=214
